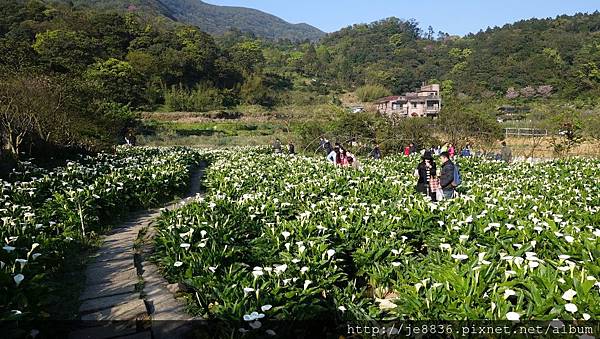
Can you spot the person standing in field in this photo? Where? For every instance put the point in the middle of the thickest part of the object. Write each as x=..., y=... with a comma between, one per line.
x=426, y=171
x=376, y=152
x=412, y=148
x=447, y=176
x=406, y=151
x=352, y=161
x=328, y=148
x=333, y=155
x=291, y=148
x=324, y=145
x=451, y=151
x=342, y=159
x=466, y=151
x=277, y=146
x=505, y=153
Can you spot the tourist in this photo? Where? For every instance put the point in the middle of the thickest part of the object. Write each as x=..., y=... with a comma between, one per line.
x=130, y=138
x=425, y=171
x=412, y=148
x=277, y=146
x=327, y=147
x=505, y=153
x=353, y=161
x=333, y=155
x=291, y=148
x=447, y=176
x=321, y=142
x=342, y=159
x=406, y=151
x=376, y=152
x=466, y=151
x=451, y=151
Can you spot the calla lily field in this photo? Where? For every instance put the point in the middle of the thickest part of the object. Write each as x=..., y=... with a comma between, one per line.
x=47, y=215
x=278, y=238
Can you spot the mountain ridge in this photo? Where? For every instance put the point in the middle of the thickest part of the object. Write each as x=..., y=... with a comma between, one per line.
x=214, y=19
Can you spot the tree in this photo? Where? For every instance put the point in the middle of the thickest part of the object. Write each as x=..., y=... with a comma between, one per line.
x=63, y=50
x=255, y=92
x=117, y=81
x=570, y=133
x=369, y=93
x=197, y=54
x=357, y=126
x=430, y=33
x=247, y=55
x=310, y=60
x=462, y=124
x=35, y=109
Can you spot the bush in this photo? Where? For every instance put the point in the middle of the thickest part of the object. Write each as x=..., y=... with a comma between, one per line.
x=371, y=92
x=255, y=91
x=201, y=99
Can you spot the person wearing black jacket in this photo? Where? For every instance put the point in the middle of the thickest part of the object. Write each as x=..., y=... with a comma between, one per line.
x=447, y=175
x=376, y=152
x=426, y=170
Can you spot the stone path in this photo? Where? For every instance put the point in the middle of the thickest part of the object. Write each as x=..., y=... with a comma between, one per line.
x=125, y=294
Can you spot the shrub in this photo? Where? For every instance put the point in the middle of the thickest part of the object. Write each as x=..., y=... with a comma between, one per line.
x=371, y=92
x=202, y=98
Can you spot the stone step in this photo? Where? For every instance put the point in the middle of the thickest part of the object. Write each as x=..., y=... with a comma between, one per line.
x=102, y=275
x=112, y=254
x=165, y=306
x=118, y=243
x=115, y=265
x=132, y=310
x=98, y=304
x=107, y=290
x=130, y=232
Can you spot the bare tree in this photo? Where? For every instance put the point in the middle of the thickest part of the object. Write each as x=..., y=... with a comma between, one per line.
x=15, y=125
x=33, y=108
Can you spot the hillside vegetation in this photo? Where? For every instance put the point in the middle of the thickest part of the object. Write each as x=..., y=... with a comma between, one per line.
x=212, y=18
x=94, y=68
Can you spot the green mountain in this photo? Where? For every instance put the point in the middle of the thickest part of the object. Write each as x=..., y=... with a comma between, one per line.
x=515, y=60
x=212, y=18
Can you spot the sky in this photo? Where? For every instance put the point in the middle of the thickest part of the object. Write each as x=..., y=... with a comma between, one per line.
x=456, y=17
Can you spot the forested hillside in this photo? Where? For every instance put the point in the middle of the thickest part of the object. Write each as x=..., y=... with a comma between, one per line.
x=212, y=19
x=561, y=52
x=74, y=76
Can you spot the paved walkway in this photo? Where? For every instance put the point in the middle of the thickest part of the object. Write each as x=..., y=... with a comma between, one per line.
x=125, y=294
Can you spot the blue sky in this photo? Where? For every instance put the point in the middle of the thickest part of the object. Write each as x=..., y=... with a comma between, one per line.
x=452, y=16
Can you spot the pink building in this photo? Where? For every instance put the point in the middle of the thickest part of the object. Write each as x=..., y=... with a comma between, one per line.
x=427, y=102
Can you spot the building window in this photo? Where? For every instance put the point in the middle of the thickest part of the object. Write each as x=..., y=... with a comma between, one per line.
x=414, y=105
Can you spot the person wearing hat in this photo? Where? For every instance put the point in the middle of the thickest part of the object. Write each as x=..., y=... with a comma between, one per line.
x=426, y=171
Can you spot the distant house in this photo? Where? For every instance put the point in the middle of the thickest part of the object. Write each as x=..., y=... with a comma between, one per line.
x=426, y=102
